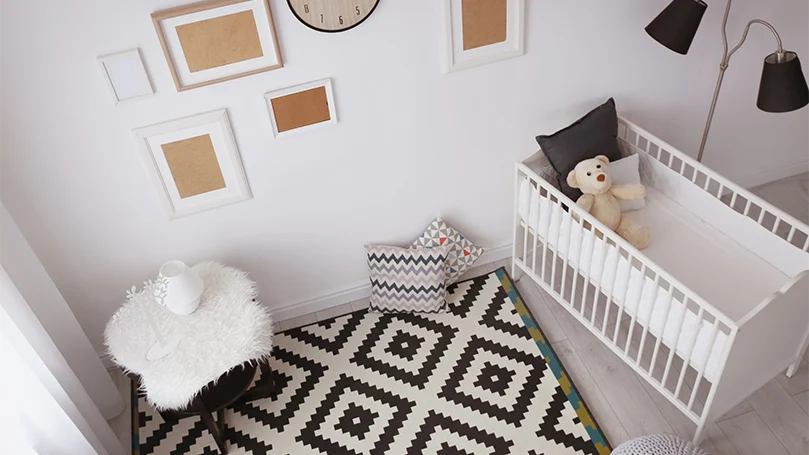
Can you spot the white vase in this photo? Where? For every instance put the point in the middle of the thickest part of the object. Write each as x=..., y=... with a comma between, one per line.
x=184, y=287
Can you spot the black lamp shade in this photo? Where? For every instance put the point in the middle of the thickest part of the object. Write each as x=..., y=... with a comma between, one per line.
x=783, y=86
x=676, y=26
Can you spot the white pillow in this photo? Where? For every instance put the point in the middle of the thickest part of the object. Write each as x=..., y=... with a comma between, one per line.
x=625, y=172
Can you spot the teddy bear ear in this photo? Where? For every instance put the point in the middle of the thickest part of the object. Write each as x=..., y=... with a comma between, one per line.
x=603, y=159
x=571, y=179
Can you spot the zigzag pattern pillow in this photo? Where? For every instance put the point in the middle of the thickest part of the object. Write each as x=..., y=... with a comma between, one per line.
x=407, y=280
x=462, y=253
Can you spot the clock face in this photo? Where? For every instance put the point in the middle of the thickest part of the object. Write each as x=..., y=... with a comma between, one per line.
x=332, y=15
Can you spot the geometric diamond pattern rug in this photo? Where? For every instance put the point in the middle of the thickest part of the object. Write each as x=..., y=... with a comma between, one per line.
x=480, y=379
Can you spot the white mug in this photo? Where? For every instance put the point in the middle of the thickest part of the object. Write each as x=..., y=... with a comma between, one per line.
x=184, y=287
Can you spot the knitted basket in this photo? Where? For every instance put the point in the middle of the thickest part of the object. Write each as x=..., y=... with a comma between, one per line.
x=658, y=444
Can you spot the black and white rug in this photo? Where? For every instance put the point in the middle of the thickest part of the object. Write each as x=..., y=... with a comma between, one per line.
x=478, y=380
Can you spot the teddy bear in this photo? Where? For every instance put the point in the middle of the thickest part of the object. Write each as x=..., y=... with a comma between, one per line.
x=600, y=199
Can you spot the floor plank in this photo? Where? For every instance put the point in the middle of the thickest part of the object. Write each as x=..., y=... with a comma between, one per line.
x=738, y=410
x=590, y=392
x=783, y=416
x=716, y=442
x=802, y=399
x=799, y=382
x=541, y=311
x=629, y=400
x=751, y=436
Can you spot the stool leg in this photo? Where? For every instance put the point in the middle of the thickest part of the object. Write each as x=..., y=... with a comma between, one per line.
x=213, y=427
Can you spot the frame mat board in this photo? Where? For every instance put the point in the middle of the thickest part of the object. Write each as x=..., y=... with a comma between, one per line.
x=484, y=22
x=220, y=41
x=194, y=166
x=243, y=440
x=301, y=109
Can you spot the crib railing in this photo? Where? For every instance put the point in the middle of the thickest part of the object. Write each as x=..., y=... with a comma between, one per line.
x=769, y=217
x=671, y=371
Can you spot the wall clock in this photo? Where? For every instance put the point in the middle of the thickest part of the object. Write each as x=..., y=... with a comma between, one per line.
x=332, y=15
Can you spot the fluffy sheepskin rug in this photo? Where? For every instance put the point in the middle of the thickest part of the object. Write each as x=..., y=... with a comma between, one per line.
x=227, y=329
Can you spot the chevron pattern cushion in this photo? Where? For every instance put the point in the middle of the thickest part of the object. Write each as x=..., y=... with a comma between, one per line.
x=407, y=280
x=462, y=252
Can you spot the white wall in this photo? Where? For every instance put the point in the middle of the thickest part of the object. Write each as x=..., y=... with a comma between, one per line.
x=411, y=142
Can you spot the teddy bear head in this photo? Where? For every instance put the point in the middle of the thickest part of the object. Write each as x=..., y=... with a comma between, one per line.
x=591, y=176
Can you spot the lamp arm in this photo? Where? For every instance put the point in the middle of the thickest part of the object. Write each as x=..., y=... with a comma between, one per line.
x=744, y=37
x=723, y=65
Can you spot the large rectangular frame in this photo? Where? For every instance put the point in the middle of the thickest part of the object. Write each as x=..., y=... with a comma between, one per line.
x=160, y=16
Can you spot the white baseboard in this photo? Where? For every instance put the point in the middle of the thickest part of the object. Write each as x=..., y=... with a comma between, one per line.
x=360, y=290
x=771, y=175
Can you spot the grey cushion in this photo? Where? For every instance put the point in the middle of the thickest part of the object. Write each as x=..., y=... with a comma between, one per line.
x=594, y=134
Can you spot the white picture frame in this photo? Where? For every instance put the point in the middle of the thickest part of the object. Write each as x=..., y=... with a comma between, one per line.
x=459, y=59
x=125, y=75
x=326, y=83
x=216, y=125
x=168, y=22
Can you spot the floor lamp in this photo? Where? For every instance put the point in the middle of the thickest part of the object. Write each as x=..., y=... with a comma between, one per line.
x=783, y=86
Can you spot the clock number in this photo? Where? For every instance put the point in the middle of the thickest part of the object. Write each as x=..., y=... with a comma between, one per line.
x=358, y=10
x=321, y=18
x=341, y=20
x=306, y=7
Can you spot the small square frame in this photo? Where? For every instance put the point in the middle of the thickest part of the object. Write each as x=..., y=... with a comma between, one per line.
x=142, y=74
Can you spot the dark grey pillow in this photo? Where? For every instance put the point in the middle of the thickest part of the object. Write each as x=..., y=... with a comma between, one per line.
x=592, y=135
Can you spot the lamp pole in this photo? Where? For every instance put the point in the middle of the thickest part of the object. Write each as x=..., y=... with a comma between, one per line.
x=723, y=65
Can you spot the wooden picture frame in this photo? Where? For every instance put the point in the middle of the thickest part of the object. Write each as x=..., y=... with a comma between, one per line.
x=301, y=108
x=125, y=75
x=482, y=31
x=193, y=163
x=217, y=40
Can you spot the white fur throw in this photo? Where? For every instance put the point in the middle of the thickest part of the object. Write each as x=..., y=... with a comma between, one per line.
x=227, y=329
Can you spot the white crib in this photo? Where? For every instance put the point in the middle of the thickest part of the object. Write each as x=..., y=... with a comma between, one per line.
x=713, y=309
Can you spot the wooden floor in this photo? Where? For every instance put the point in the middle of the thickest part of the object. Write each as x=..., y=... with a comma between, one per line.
x=773, y=421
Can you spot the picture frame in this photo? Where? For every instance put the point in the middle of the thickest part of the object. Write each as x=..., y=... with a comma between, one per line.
x=479, y=32
x=125, y=75
x=193, y=163
x=217, y=40
x=301, y=108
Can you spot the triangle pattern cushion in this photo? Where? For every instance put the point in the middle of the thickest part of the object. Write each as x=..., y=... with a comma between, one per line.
x=462, y=253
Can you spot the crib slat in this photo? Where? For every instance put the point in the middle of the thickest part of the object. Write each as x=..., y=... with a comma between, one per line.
x=558, y=242
x=648, y=323
x=775, y=225
x=682, y=167
x=669, y=298
x=578, y=265
x=622, y=303
x=637, y=308
x=673, y=350
x=791, y=234
x=687, y=358
x=721, y=188
x=567, y=255
x=536, y=234
x=747, y=208
x=694, y=177
x=612, y=288
x=707, y=183
x=761, y=215
x=527, y=227
x=597, y=288
x=806, y=244
x=733, y=200
x=701, y=372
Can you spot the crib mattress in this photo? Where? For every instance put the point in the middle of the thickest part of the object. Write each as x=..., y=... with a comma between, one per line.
x=711, y=264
